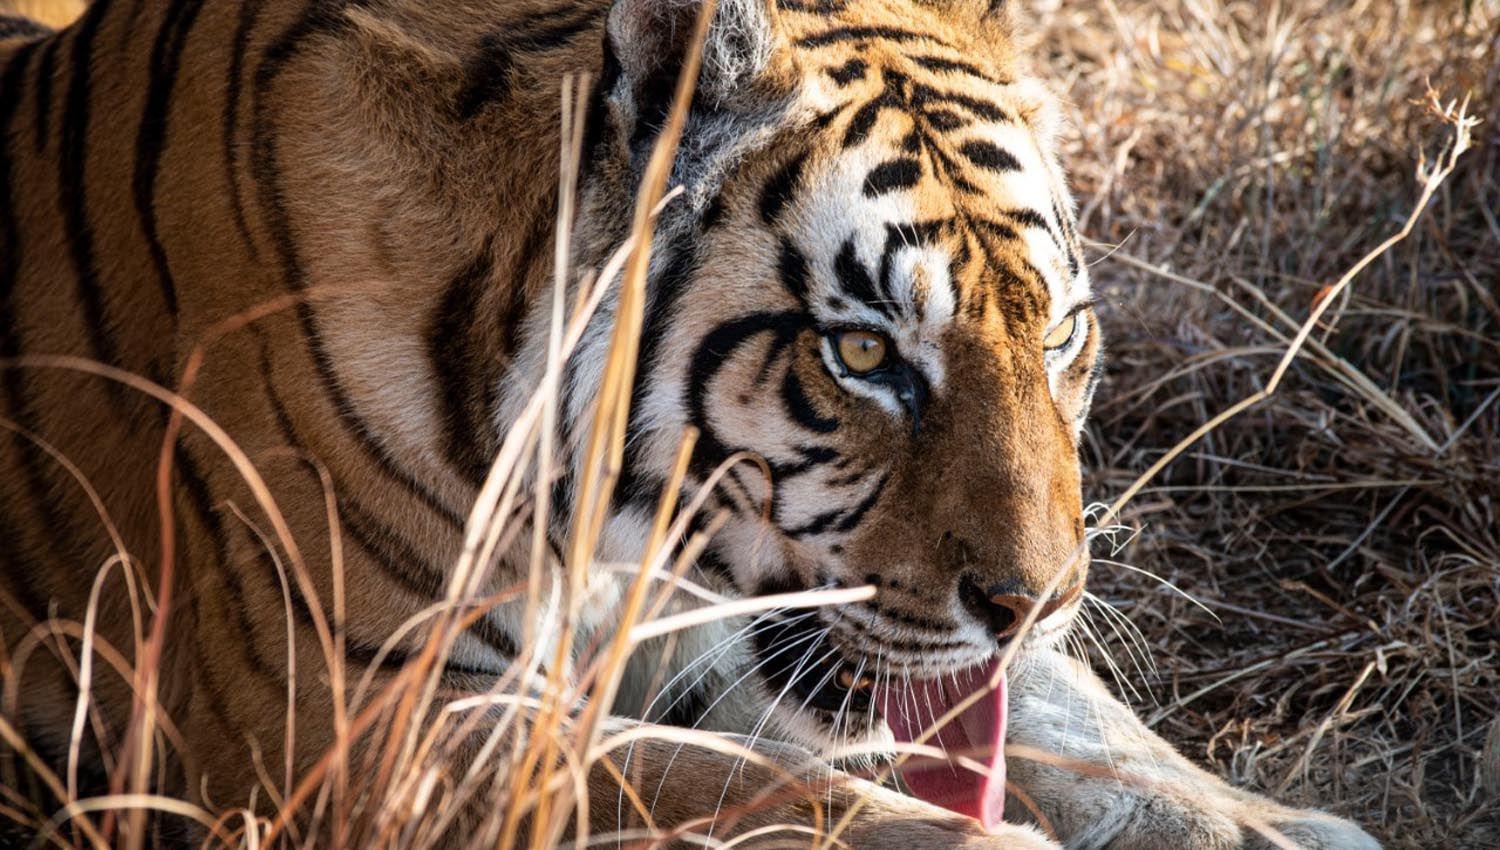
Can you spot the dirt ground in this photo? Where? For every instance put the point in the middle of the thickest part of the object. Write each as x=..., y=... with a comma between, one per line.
x=1317, y=581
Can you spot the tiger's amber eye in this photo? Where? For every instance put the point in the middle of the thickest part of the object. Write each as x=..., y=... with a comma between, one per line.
x=862, y=351
x=1059, y=336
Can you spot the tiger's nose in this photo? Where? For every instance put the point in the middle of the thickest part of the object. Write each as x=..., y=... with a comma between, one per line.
x=1002, y=613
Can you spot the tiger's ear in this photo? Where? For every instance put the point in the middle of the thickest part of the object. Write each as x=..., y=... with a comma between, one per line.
x=650, y=39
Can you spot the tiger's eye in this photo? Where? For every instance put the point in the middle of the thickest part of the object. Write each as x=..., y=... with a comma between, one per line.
x=1059, y=336
x=862, y=351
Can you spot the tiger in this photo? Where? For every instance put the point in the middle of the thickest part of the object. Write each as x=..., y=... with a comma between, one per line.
x=868, y=276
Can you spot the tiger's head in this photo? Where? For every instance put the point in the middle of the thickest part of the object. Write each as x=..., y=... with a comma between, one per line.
x=874, y=284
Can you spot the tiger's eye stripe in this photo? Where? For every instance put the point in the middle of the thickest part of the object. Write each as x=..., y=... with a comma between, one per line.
x=46, y=72
x=801, y=408
x=714, y=350
x=166, y=64
x=249, y=13
x=320, y=16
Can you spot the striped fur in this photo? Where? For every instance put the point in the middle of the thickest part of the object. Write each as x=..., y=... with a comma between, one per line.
x=879, y=165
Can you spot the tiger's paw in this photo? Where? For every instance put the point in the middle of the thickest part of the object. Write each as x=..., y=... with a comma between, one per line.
x=1311, y=830
x=1211, y=821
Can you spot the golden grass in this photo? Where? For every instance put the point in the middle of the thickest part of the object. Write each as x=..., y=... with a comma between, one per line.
x=1299, y=430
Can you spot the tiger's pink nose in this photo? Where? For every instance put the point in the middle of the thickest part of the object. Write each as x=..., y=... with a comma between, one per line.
x=1003, y=613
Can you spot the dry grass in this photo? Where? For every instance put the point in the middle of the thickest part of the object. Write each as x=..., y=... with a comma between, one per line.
x=1233, y=159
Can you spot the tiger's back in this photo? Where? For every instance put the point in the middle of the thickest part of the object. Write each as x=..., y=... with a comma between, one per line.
x=150, y=195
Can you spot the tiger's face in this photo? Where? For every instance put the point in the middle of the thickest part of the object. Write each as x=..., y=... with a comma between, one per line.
x=884, y=299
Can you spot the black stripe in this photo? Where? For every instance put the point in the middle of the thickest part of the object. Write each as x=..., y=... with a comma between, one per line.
x=849, y=72
x=817, y=525
x=1030, y=218
x=64, y=544
x=665, y=293
x=791, y=267
x=713, y=353
x=996, y=228
x=856, y=280
x=396, y=658
x=72, y=178
x=939, y=64
x=801, y=408
x=150, y=142
x=1067, y=243
x=402, y=562
x=234, y=85
x=853, y=518
x=820, y=7
x=42, y=105
x=864, y=33
x=222, y=574
x=909, y=234
x=487, y=74
x=892, y=175
x=780, y=189
x=810, y=457
x=837, y=519
x=597, y=118
x=14, y=26
x=456, y=348
x=322, y=16
x=925, y=96
x=864, y=121
x=989, y=156
x=945, y=120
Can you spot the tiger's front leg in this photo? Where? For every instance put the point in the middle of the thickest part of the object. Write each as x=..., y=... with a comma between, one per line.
x=699, y=791
x=1118, y=785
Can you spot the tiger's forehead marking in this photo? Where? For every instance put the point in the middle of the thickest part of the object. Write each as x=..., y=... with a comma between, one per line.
x=927, y=197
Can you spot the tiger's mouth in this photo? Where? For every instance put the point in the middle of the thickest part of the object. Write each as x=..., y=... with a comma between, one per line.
x=960, y=711
x=799, y=661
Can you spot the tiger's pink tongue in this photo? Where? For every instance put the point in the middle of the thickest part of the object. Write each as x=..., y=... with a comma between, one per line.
x=978, y=732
